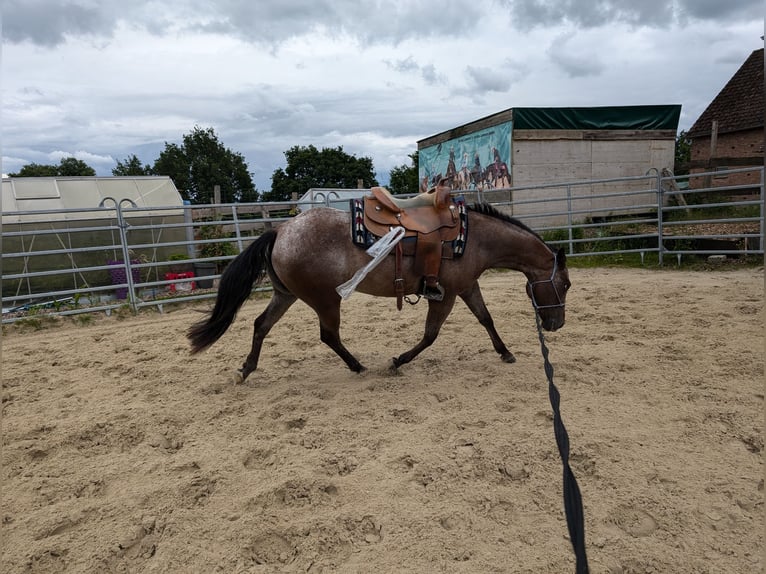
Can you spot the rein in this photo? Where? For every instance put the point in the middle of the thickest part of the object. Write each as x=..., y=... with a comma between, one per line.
x=572, y=500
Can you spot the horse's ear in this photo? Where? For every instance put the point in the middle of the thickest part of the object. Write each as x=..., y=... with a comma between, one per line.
x=561, y=257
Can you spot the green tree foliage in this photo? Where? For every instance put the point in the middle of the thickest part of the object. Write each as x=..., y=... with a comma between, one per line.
x=67, y=167
x=173, y=163
x=683, y=153
x=131, y=166
x=404, y=178
x=309, y=167
x=200, y=163
x=36, y=170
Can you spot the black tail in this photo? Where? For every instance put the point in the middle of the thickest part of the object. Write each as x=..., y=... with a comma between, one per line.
x=237, y=281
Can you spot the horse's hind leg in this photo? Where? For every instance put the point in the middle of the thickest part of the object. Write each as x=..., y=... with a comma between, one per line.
x=475, y=302
x=279, y=304
x=438, y=311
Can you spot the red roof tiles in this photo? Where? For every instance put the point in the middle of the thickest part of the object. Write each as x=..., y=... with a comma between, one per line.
x=739, y=105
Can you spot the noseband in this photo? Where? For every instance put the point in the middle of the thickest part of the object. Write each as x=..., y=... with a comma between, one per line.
x=532, y=284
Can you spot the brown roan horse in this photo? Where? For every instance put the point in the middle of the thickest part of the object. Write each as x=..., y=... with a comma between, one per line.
x=309, y=256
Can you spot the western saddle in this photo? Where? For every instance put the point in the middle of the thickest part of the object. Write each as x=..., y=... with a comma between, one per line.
x=430, y=217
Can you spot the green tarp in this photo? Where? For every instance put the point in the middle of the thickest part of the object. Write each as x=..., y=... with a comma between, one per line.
x=663, y=117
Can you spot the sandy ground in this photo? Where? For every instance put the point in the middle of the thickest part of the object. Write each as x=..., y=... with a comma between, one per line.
x=121, y=453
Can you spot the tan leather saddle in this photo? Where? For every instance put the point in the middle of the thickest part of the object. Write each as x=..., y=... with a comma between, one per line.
x=431, y=217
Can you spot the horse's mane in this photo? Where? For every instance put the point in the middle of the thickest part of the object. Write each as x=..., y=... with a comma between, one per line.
x=487, y=209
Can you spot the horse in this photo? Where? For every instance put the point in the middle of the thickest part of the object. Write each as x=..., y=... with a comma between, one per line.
x=497, y=171
x=477, y=173
x=310, y=255
x=496, y=176
x=464, y=176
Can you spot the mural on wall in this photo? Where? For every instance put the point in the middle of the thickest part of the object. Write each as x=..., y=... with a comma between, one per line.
x=479, y=160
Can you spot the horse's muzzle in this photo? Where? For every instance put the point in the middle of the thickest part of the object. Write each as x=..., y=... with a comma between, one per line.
x=552, y=321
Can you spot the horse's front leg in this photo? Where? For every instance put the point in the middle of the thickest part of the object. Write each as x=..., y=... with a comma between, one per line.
x=475, y=302
x=438, y=311
x=280, y=302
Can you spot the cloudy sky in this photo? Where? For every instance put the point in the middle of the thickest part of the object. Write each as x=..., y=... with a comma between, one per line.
x=103, y=79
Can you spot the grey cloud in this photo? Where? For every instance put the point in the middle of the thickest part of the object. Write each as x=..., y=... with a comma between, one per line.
x=497, y=78
x=484, y=79
x=371, y=22
x=401, y=20
x=574, y=64
x=266, y=23
x=721, y=11
x=408, y=64
x=575, y=67
x=431, y=76
x=258, y=129
x=428, y=72
x=48, y=23
x=51, y=22
x=658, y=13
x=531, y=13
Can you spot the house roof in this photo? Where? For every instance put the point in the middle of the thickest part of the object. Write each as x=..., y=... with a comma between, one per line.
x=662, y=117
x=26, y=199
x=739, y=105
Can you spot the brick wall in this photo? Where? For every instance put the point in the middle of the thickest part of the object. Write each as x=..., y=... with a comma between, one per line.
x=730, y=145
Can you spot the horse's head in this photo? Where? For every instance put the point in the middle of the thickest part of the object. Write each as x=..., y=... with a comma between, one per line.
x=548, y=294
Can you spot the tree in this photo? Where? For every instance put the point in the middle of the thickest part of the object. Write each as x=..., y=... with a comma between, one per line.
x=683, y=153
x=404, y=178
x=174, y=163
x=36, y=170
x=202, y=162
x=309, y=167
x=131, y=166
x=70, y=167
x=67, y=167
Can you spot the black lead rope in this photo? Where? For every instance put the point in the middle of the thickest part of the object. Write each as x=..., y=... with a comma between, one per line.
x=572, y=499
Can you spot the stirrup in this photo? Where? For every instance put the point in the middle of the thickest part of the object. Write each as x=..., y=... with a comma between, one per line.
x=433, y=292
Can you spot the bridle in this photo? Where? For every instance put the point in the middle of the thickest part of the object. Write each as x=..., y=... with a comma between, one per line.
x=532, y=284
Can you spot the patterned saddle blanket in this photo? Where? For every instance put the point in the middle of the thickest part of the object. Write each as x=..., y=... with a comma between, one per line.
x=367, y=228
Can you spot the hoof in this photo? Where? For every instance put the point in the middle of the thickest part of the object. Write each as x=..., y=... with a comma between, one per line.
x=358, y=368
x=393, y=366
x=237, y=378
x=508, y=358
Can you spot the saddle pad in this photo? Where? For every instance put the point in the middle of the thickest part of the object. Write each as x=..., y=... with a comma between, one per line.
x=364, y=237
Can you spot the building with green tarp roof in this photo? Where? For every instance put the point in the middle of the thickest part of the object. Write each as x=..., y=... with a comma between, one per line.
x=520, y=148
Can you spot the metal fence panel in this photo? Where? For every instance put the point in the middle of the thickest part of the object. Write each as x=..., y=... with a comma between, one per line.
x=118, y=254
